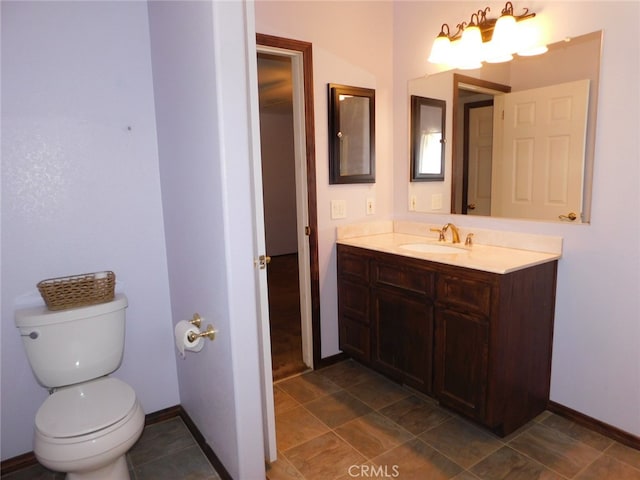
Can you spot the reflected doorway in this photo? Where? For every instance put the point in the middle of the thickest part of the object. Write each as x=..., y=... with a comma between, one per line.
x=477, y=157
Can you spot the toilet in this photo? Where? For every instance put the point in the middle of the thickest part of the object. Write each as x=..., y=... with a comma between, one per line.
x=90, y=420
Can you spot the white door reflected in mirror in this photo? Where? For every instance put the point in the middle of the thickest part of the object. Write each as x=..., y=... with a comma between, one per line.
x=565, y=62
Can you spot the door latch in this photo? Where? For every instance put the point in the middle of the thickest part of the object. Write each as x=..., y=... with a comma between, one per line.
x=263, y=260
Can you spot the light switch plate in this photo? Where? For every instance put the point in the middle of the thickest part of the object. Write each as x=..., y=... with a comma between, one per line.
x=436, y=201
x=371, y=206
x=338, y=209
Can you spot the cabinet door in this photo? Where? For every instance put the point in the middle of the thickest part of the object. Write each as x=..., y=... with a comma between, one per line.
x=403, y=337
x=353, y=312
x=461, y=356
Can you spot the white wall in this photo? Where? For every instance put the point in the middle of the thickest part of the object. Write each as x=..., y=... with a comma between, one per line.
x=200, y=68
x=80, y=186
x=356, y=53
x=596, y=358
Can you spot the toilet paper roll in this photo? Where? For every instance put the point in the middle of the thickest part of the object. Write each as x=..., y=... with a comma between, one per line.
x=182, y=331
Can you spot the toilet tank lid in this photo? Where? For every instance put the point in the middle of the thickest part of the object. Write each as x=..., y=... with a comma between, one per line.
x=85, y=408
x=41, y=315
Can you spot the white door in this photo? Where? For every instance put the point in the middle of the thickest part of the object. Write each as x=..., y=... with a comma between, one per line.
x=538, y=165
x=480, y=160
x=260, y=263
x=299, y=134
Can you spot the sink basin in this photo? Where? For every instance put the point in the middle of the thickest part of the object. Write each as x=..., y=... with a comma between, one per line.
x=431, y=248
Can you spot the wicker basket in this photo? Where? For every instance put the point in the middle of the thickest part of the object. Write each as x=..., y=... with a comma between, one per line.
x=78, y=290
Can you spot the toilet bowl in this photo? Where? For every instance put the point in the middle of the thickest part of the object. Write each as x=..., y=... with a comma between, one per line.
x=86, y=430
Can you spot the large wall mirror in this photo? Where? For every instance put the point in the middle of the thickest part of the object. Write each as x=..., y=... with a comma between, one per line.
x=351, y=134
x=543, y=173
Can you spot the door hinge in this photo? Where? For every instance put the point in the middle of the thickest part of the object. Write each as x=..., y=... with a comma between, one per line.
x=307, y=230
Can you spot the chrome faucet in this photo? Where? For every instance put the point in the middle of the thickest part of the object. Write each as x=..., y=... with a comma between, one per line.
x=455, y=234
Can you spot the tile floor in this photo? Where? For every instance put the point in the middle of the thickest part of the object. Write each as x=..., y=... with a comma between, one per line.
x=347, y=422
x=166, y=451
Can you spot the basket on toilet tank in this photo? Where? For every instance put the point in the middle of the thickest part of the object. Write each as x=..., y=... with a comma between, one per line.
x=78, y=290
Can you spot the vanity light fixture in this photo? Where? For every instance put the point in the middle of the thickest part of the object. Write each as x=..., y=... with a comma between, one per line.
x=490, y=40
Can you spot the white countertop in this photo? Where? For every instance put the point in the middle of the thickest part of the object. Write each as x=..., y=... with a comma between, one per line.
x=487, y=258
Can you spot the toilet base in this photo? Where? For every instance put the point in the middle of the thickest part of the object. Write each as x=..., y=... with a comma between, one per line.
x=117, y=470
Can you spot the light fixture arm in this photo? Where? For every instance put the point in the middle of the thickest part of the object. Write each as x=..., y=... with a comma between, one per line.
x=482, y=21
x=468, y=51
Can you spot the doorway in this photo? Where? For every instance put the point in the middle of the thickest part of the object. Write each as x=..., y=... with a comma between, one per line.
x=471, y=187
x=289, y=193
x=477, y=157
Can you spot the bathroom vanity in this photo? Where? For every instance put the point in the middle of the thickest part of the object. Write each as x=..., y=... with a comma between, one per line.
x=473, y=329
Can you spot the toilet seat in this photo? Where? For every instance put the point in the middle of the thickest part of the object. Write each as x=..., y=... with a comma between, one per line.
x=85, y=408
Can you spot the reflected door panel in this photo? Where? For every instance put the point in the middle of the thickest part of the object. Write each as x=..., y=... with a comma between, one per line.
x=538, y=170
x=480, y=160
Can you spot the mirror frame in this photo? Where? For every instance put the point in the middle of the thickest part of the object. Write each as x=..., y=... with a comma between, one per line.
x=417, y=103
x=335, y=160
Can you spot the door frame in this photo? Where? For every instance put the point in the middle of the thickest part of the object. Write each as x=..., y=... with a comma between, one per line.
x=476, y=84
x=307, y=216
x=301, y=54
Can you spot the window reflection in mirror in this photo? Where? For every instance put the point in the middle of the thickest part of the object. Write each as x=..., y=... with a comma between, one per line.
x=566, y=61
x=351, y=134
x=428, y=118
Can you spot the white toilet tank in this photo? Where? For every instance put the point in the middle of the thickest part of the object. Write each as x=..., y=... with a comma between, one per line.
x=72, y=346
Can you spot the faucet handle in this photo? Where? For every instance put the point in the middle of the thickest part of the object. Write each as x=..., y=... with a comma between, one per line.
x=440, y=233
x=468, y=241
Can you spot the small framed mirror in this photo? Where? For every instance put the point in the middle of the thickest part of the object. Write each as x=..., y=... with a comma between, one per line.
x=428, y=117
x=351, y=134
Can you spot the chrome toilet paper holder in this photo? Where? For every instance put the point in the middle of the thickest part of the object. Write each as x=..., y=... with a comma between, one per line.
x=196, y=321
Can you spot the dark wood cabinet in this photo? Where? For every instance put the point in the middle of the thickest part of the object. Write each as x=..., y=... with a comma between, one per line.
x=353, y=305
x=402, y=320
x=479, y=342
x=402, y=337
x=461, y=358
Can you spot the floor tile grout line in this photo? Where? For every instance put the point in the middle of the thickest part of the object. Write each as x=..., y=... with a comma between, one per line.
x=161, y=457
x=524, y=454
x=194, y=443
x=311, y=438
x=455, y=461
x=617, y=458
x=562, y=433
x=370, y=459
x=588, y=465
x=302, y=477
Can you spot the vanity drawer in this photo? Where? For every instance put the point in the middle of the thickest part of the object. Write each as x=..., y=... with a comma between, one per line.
x=466, y=294
x=402, y=276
